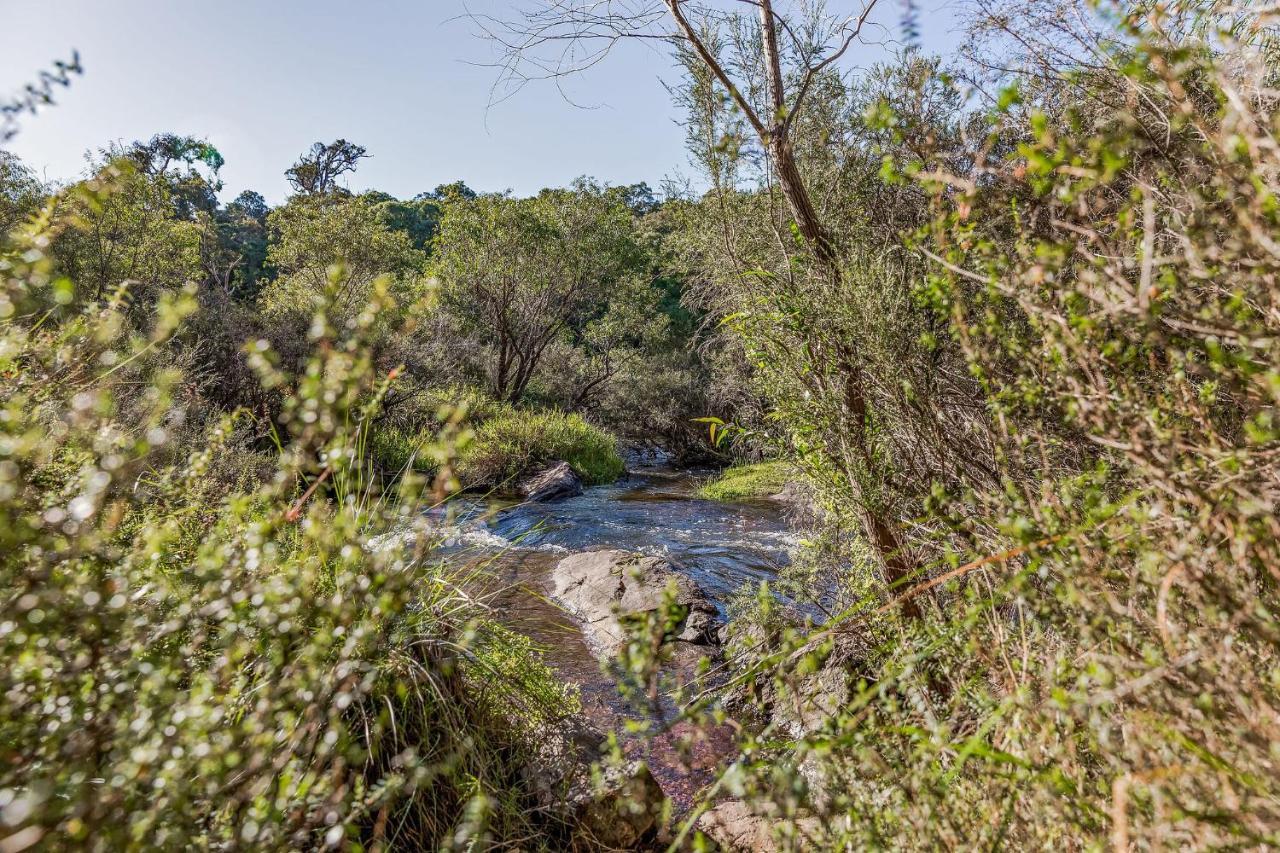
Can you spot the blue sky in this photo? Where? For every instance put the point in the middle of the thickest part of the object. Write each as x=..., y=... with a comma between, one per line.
x=263, y=79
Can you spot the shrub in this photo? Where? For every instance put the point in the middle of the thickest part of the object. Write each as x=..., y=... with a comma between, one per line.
x=746, y=482
x=513, y=442
x=1095, y=652
x=229, y=669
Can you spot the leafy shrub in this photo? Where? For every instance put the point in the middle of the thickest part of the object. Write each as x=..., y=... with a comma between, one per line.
x=744, y=482
x=514, y=441
x=1095, y=650
x=394, y=450
x=243, y=668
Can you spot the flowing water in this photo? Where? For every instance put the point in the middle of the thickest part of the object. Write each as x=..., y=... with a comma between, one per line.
x=653, y=510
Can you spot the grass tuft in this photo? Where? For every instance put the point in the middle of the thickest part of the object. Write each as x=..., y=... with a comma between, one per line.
x=747, y=482
x=515, y=442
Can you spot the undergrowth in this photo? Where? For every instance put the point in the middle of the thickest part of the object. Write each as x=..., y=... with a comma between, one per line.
x=747, y=482
x=513, y=442
x=232, y=662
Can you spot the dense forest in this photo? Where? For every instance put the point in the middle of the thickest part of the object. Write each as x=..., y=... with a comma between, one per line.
x=1000, y=333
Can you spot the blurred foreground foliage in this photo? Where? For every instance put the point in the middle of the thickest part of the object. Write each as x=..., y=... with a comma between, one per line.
x=198, y=655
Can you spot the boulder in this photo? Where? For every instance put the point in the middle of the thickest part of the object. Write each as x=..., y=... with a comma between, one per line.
x=616, y=808
x=602, y=588
x=734, y=826
x=552, y=483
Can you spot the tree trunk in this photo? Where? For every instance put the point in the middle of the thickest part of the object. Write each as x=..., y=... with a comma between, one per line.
x=797, y=196
x=879, y=530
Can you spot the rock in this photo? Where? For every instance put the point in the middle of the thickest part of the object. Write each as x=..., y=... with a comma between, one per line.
x=603, y=587
x=614, y=809
x=646, y=456
x=800, y=503
x=734, y=826
x=552, y=483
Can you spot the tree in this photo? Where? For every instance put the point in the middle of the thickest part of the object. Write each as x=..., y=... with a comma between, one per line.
x=317, y=171
x=458, y=190
x=178, y=160
x=132, y=233
x=250, y=205
x=767, y=68
x=310, y=235
x=20, y=191
x=234, y=245
x=520, y=272
x=626, y=329
x=419, y=218
x=766, y=65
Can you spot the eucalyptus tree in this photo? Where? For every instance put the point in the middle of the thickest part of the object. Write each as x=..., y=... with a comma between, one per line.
x=520, y=272
x=317, y=171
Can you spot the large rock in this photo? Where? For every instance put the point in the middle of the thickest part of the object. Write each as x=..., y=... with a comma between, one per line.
x=609, y=807
x=552, y=483
x=734, y=826
x=603, y=588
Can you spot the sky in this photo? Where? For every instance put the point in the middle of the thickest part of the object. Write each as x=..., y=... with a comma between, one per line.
x=408, y=79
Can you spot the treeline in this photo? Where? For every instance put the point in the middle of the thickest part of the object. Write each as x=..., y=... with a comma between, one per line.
x=562, y=301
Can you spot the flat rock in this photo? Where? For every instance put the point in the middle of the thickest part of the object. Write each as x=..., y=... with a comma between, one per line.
x=553, y=483
x=604, y=588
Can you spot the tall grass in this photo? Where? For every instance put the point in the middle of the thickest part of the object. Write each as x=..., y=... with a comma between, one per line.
x=514, y=441
x=197, y=663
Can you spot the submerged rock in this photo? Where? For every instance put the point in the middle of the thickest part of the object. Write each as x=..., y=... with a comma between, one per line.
x=603, y=588
x=552, y=483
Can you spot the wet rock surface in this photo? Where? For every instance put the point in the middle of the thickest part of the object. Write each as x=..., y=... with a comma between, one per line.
x=555, y=482
x=605, y=588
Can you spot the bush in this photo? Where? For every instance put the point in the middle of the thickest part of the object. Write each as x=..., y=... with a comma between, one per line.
x=1094, y=652
x=747, y=482
x=241, y=667
x=514, y=442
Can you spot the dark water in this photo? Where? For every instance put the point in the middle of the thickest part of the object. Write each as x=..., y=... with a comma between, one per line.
x=653, y=511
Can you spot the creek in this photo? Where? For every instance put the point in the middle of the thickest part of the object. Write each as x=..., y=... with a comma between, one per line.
x=653, y=510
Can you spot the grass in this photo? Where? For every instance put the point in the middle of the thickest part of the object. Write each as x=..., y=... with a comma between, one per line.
x=747, y=482
x=514, y=442
x=394, y=449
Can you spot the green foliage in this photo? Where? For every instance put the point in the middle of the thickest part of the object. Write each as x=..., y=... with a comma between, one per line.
x=522, y=274
x=195, y=664
x=130, y=234
x=748, y=482
x=1063, y=316
x=310, y=235
x=393, y=450
x=419, y=219
x=515, y=441
x=20, y=192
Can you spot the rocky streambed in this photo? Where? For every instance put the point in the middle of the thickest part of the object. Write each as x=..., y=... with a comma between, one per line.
x=565, y=564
